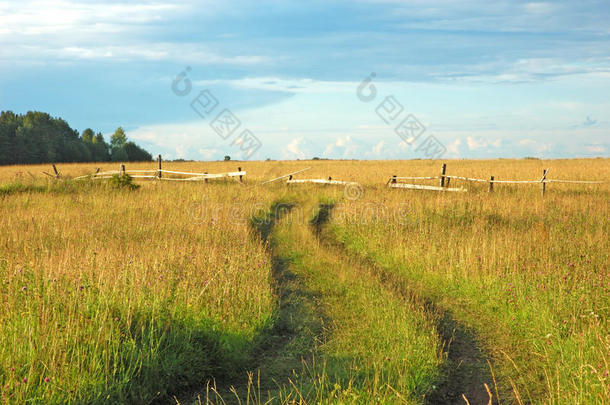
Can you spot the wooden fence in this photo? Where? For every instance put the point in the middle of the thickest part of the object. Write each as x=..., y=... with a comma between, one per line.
x=157, y=174
x=394, y=182
x=445, y=179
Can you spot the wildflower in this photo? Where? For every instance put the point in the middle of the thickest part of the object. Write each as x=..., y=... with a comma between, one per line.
x=24, y=380
x=24, y=288
x=47, y=379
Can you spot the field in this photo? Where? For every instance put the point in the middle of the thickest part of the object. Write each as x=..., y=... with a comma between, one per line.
x=229, y=292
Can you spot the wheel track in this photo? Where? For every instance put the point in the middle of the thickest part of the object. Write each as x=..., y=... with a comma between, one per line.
x=467, y=375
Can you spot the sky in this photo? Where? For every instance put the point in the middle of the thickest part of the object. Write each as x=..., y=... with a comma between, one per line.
x=363, y=79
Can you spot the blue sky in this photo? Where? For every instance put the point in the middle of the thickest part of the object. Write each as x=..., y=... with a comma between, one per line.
x=486, y=79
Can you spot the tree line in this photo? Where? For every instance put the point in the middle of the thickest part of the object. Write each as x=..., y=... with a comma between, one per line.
x=36, y=137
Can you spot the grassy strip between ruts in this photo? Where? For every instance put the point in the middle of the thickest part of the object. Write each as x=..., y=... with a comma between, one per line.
x=369, y=343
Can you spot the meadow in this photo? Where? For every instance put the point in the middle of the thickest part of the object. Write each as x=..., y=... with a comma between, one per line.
x=225, y=292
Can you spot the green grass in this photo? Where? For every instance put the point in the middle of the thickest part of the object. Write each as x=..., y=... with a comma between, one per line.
x=532, y=283
x=352, y=339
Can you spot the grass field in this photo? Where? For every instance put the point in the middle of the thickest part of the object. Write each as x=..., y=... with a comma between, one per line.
x=296, y=294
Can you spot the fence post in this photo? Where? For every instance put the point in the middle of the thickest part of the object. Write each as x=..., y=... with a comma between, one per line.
x=543, y=181
x=122, y=170
x=443, y=171
x=394, y=178
x=491, y=184
x=56, y=172
x=159, y=173
x=205, y=179
x=240, y=176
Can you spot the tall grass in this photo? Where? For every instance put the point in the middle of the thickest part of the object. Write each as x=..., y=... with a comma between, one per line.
x=529, y=275
x=119, y=296
x=112, y=295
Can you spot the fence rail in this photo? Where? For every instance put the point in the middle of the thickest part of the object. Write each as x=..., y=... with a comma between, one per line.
x=445, y=179
x=157, y=174
x=321, y=181
x=424, y=187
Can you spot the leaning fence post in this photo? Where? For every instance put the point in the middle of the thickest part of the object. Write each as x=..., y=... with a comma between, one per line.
x=543, y=181
x=491, y=184
x=443, y=171
x=240, y=176
x=56, y=172
x=159, y=173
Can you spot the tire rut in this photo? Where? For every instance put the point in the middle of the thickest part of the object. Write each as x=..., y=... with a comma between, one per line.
x=466, y=377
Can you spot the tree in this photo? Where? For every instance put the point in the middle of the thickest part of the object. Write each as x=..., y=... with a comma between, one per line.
x=37, y=137
x=136, y=154
x=120, y=155
x=227, y=158
x=100, y=149
x=118, y=139
x=88, y=135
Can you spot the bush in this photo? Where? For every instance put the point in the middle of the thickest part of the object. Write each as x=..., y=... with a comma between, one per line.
x=121, y=181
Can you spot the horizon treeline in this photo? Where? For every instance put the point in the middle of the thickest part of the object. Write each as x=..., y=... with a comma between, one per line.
x=37, y=137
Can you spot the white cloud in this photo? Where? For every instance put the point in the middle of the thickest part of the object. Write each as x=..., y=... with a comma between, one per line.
x=538, y=8
x=344, y=147
x=454, y=148
x=479, y=143
x=292, y=85
x=377, y=148
x=293, y=149
x=475, y=143
x=59, y=31
x=596, y=149
x=208, y=154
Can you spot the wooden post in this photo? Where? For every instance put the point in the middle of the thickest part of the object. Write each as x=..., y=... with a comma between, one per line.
x=394, y=178
x=159, y=173
x=543, y=181
x=122, y=170
x=491, y=184
x=205, y=179
x=240, y=176
x=56, y=172
x=329, y=178
x=448, y=180
x=443, y=171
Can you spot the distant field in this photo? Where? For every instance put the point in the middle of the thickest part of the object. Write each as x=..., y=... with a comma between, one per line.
x=297, y=294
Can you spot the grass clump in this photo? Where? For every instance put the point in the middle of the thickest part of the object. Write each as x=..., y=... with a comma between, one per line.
x=122, y=181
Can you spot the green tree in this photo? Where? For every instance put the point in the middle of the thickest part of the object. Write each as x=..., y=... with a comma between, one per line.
x=118, y=139
x=120, y=155
x=136, y=154
x=88, y=135
x=37, y=137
